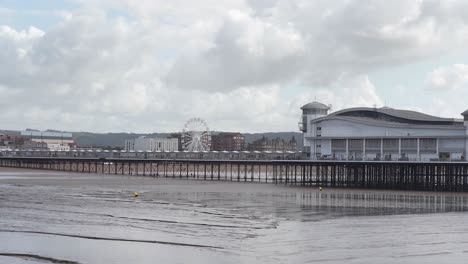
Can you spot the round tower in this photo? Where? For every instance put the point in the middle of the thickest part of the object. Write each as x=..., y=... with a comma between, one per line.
x=465, y=116
x=310, y=132
x=312, y=111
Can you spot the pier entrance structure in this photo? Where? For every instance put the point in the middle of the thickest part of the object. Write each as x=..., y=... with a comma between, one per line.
x=382, y=134
x=427, y=176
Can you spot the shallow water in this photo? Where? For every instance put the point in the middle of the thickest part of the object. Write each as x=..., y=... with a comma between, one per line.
x=83, y=218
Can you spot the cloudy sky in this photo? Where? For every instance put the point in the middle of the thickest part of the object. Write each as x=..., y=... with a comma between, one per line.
x=242, y=65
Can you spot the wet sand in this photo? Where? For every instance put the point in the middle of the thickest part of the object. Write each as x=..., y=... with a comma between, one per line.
x=62, y=217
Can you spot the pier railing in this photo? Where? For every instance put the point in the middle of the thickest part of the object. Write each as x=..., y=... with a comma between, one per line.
x=428, y=176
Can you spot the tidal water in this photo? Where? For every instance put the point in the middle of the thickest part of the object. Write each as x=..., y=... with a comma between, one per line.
x=53, y=217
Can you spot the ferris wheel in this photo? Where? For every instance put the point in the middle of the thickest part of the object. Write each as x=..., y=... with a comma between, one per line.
x=196, y=135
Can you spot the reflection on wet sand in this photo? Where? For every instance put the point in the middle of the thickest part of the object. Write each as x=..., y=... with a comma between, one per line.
x=383, y=203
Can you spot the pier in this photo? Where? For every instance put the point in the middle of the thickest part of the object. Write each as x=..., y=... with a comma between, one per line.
x=424, y=176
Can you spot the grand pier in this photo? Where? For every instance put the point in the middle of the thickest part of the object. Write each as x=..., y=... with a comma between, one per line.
x=400, y=175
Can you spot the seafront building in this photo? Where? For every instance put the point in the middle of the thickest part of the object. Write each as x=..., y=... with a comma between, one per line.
x=11, y=141
x=228, y=141
x=177, y=136
x=385, y=133
x=152, y=144
x=275, y=144
x=55, y=141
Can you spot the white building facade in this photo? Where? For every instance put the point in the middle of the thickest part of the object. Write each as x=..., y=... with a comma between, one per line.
x=382, y=134
x=152, y=144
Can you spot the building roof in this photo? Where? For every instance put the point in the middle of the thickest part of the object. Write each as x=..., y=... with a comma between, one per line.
x=413, y=115
x=44, y=134
x=405, y=114
x=391, y=115
x=464, y=113
x=315, y=105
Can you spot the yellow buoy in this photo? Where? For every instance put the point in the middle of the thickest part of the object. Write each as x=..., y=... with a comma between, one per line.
x=135, y=194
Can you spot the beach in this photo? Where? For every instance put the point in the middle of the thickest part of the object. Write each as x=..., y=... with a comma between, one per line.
x=63, y=217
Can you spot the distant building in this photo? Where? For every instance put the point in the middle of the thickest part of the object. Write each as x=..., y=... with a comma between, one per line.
x=178, y=136
x=11, y=142
x=152, y=144
x=228, y=141
x=276, y=144
x=32, y=145
x=54, y=140
x=364, y=133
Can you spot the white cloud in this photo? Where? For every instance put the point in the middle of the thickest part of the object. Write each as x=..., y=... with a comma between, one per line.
x=347, y=91
x=247, y=51
x=452, y=77
x=148, y=65
x=316, y=41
